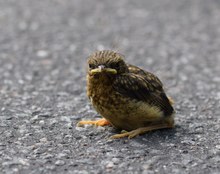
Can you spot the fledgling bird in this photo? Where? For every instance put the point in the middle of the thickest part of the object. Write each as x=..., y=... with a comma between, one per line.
x=126, y=96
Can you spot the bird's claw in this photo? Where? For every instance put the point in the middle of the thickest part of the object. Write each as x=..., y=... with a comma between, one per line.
x=101, y=122
x=123, y=134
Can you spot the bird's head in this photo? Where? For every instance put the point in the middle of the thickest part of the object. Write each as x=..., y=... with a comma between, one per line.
x=106, y=62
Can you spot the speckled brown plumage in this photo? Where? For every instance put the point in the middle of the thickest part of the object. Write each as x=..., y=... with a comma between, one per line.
x=128, y=97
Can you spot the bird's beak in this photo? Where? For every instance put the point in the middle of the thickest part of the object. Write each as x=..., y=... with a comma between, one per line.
x=102, y=68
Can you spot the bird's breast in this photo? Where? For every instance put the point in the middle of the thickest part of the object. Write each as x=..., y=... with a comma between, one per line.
x=106, y=100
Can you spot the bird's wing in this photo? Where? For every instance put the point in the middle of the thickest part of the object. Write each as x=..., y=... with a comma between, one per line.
x=144, y=74
x=143, y=88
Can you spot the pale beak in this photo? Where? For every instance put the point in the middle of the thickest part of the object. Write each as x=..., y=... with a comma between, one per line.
x=101, y=68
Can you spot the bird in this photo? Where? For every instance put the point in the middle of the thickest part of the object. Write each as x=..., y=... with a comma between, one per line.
x=127, y=97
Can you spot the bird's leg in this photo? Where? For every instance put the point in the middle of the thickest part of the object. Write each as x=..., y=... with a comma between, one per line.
x=142, y=130
x=100, y=122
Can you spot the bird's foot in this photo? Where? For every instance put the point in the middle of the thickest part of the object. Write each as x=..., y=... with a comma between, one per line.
x=101, y=122
x=139, y=131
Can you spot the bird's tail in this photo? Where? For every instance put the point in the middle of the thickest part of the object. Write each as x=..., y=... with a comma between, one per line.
x=171, y=100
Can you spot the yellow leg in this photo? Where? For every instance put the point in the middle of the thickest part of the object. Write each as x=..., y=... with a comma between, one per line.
x=101, y=122
x=141, y=130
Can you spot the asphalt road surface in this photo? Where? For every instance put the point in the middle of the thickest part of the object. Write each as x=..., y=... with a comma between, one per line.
x=44, y=45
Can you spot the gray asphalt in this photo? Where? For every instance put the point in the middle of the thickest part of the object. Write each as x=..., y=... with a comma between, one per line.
x=43, y=50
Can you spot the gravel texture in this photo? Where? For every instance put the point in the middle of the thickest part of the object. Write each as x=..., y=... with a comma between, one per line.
x=44, y=45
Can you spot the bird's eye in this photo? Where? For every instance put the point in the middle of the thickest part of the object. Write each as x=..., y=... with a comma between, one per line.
x=91, y=66
x=117, y=65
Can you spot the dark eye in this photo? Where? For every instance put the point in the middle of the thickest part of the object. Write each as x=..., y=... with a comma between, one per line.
x=117, y=65
x=91, y=66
